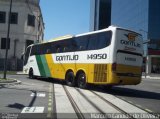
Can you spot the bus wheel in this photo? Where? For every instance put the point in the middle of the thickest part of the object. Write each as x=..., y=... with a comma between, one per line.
x=31, y=75
x=70, y=79
x=82, y=80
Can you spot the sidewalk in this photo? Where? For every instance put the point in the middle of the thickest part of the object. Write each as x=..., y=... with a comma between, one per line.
x=151, y=76
x=20, y=73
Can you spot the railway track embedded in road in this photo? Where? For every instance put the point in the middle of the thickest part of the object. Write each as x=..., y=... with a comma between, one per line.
x=74, y=105
x=81, y=100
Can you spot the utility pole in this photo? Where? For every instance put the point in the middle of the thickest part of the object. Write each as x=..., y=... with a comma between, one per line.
x=146, y=42
x=8, y=32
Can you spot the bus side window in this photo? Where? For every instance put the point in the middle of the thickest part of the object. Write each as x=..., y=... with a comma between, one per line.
x=93, y=41
x=59, y=49
x=68, y=45
x=104, y=39
x=48, y=51
x=74, y=46
x=81, y=48
x=82, y=43
x=66, y=49
x=53, y=47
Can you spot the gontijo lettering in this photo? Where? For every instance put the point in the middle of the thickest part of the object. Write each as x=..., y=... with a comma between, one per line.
x=67, y=58
x=131, y=43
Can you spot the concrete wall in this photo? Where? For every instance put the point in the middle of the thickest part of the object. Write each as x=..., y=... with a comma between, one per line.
x=20, y=32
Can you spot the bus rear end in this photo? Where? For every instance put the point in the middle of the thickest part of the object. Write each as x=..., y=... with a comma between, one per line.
x=126, y=58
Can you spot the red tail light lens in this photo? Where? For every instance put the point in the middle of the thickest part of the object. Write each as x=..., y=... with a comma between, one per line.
x=114, y=66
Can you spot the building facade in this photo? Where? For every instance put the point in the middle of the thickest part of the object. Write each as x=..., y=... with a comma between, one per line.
x=26, y=27
x=142, y=16
x=100, y=14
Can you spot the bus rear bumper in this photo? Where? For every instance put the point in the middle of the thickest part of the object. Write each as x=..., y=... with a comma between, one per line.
x=125, y=80
x=116, y=80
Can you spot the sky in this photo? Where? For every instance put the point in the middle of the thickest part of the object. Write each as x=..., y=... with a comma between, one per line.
x=65, y=17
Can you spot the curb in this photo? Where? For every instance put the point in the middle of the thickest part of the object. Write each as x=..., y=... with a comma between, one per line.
x=14, y=81
x=151, y=78
x=20, y=73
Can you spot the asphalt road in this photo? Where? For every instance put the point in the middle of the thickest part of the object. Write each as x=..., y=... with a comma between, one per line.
x=39, y=94
x=145, y=95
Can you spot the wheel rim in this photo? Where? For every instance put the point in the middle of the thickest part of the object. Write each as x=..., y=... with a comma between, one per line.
x=82, y=80
x=70, y=79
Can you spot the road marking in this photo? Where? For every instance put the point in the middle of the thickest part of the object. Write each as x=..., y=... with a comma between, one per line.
x=50, y=103
x=49, y=100
x=33, y=110
x=49, y=109
x=38, y=94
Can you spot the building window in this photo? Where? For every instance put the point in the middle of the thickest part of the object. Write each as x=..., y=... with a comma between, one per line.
x=2, y=17
x=29, y=42
x=31, y=20
x=14, y=18
x=3, y=43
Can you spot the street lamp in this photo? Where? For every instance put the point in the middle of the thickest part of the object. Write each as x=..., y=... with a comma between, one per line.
x=8, y=31
x=146, y=42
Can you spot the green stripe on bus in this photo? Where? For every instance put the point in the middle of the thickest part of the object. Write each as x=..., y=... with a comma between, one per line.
x=45, y=65
x=40, y=65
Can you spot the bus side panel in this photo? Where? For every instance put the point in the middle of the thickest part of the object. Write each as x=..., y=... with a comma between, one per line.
x=51, y=64
x=54, y=68
x=33, y=64
x=63, y=68
x=91, y=73
x=57, y=69
x=43, y=65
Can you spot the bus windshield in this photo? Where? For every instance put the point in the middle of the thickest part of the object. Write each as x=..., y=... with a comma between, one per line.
x=26, y=55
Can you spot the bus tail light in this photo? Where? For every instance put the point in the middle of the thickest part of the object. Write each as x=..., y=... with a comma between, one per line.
x=114, y=66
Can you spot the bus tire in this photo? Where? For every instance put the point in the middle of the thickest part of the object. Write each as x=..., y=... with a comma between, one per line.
x=31, y=74
x=81, y=79
x=70, y=79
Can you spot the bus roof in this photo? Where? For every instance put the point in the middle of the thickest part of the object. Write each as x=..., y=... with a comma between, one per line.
x=112, y=27
x=61, y=38
x=102, y=30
